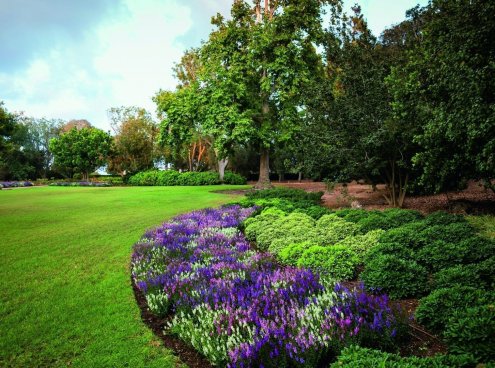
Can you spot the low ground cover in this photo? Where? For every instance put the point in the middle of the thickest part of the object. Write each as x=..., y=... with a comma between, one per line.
x=442, y=258
x=173, y=177
x=64, y=264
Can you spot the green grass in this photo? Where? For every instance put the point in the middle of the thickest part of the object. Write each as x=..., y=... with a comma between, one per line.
x=66, y=298
x=485, y=224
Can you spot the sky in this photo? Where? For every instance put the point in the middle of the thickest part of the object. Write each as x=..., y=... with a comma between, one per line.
x=75, y=59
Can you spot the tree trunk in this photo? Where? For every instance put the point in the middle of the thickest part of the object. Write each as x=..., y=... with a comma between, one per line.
x=299, y=177
x=264, y=178
x=85, y=175
x=222, y=164
x=280, y=177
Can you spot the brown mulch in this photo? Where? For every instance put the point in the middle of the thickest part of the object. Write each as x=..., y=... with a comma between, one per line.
x=475, y=199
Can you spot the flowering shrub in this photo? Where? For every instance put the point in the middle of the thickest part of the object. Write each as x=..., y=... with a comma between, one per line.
x=15, y=184
x=238, y=307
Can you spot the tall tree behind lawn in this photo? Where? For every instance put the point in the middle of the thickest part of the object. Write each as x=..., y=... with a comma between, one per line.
x=255, y=67
x=448, y=88
x=81, y=151
x=135, y=142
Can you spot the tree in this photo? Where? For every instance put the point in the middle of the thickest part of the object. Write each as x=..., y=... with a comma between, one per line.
x=81, y=151
x=134, y=145
x=448, y=88
x=254, y=68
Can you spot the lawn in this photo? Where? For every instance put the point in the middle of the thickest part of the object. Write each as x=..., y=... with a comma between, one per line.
x=66, y=297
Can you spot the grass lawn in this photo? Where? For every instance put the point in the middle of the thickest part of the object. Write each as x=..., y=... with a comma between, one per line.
x=66, y=298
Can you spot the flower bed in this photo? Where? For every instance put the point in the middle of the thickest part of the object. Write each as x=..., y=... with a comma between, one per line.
x=239, y=307
x=15, y=184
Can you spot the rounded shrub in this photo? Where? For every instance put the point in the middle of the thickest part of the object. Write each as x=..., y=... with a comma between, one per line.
x=315, y=212
x=392, y=249
x=375, y=220
x=476, y=275
x=407, y=235
x=439, y=254
x=398, y=277
x=471, y=331
x=443, y=218
x=362, y=244
x=331, y=229
x=435, y=309
x=339, y=262
x=257, y=225
x=290, y=254
x=233, y=178
x=451, y=233
x=398, y=217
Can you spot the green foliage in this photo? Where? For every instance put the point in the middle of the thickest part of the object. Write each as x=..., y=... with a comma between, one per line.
x=398, y=277
x=315, y=212
x=435, y=309
x=233, y=178
x=362, y=244
x=359, y=357
x=172, y=177
x=407, y=236
x=443, y=218
x=471, y=331
x=453, y=232
x=476, y=275
x=337, y=261
x=286, y=193
x=292, y=253
x=331, y=229
x=82, y=150
x=254, y=226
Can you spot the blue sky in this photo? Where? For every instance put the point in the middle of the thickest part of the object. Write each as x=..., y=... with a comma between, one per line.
x=74, y=59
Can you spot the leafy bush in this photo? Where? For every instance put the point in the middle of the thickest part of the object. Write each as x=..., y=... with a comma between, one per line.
x=79, y=184
x=233, y=178
x=315, y=212
x=398, y=217
x=172, y=177
x=439, y=255
x=451, y=233
x=392, y=249
x=339, y=262
x=443, y=218
x=290, y=254
x=331, y=229
x=286, y=193
x=352, y=215
x=476, y=275
x=407, y=235
x=254, y=226
x=467, y=331
x=198, y=178
x=435, y=309
x=359, y=357
x=361, y=244
x=398, y=277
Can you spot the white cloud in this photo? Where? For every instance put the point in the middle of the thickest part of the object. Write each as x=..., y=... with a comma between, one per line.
x=125, y=61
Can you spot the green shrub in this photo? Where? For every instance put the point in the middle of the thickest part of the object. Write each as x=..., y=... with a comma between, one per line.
x=168, y=178
x=476, y=275
x=293, y=228
x=358, y=357
x=451, y=233
x=198, y=178
x=435, y=309
x=233, y=178
x=392, y=249
x=315, y=212
x=375, y=220
x=256, y=225
x=443, y=218
x=145, y=178
x=290, y=254
x=472, y=330
x=286, y=193
x=439, y=255
x=362, y=244
x=398, y=277
x=339, y=262
x=331, y=229
x=407, y=235
x=353, y=215
x=398, y=217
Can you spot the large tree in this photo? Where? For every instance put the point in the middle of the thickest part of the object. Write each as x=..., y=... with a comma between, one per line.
x=448, y=89
x=135, y=142
x=255, y=66
x=81, y=151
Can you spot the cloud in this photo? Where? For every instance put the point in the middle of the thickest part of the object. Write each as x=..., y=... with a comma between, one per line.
x=122, y=61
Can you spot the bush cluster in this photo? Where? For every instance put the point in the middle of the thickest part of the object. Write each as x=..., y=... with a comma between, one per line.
x=79, y=184
x=173, y=178
x=286, y=193
x=359, y=357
